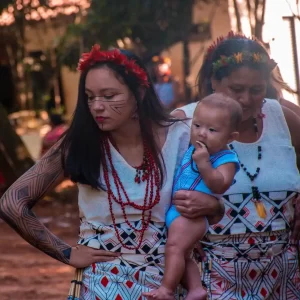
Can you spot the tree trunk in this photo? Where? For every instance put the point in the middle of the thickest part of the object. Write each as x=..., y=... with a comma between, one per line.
x=14, y=156
x=186, y=71
x=255, y=13
x=185, y=34
x=237, y=16
x=14, y=74
x=16, y=57
x=260, y=6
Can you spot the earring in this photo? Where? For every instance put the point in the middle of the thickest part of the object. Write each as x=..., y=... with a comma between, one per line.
x=261, y=115
x=135, y=116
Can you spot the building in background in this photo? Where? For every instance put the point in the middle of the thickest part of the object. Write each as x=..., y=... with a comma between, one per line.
x=42, y=30
x=212, y=20
x=281, y=32
x=44, y=84
x=53, y=24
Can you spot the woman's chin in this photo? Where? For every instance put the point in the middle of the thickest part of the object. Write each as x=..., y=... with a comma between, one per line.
x=105, y=127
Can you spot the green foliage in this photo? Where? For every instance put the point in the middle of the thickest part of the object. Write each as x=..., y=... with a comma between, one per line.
x=5, y=3
x=153, y=25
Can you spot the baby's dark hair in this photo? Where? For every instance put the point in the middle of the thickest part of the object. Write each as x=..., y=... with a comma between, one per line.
x=219, y=100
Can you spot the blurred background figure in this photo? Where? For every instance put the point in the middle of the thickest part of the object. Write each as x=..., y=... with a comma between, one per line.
x=58, y=127
x=165, y=85
x=2, y=183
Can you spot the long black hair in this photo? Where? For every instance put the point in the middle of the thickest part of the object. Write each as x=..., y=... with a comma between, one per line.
x=234, y=44
x=81, y=147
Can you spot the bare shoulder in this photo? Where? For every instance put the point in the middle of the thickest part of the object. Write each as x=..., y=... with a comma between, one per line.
x=186, y=111
x=178, y=114
x=293, y=122
x=290, y=105
x=291, y=117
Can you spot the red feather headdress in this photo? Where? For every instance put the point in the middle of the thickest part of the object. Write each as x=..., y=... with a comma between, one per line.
x=96, y=55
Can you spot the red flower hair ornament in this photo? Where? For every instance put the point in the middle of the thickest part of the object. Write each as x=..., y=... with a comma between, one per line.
x=96, y=55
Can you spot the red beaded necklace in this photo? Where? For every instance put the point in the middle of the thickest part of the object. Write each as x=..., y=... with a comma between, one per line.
x=150, y=173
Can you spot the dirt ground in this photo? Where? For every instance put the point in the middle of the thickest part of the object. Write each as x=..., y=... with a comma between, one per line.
x=27, y=273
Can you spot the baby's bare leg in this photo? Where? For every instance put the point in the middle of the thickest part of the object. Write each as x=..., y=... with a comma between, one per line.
x=182, y=236
x=192, y=281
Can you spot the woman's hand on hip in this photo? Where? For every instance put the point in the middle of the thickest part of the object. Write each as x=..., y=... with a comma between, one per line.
x=192, y=204
x=295, y=237
x=83, y=256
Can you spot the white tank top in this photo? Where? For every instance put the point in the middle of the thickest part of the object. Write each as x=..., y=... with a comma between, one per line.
x=94, y=207
x=278, y=180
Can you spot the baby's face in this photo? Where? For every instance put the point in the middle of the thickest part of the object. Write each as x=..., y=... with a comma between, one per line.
x=212, y=127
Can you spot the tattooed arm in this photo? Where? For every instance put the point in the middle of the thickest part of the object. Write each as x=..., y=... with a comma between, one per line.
x=16, y=204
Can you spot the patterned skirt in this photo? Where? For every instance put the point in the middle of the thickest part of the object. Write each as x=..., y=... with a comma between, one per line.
x=134, y=272
x=109, y=281
x=252, y=266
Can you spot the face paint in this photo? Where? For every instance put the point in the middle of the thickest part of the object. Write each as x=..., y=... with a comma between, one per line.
x=117, y=107
x=114, y=104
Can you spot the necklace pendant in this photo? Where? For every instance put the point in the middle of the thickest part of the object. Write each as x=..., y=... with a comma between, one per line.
x=145, y=175
x=260, y=208
x=141, y=176
x=142, y=172
x=151, y=198
x=137, y=178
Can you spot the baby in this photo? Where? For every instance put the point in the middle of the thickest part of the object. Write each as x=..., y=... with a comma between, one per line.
x=209, y=167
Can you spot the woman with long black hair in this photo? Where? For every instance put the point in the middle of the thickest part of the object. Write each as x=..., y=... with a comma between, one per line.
x=122, y=149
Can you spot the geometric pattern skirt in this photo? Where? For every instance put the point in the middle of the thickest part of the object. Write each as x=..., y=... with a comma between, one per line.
x=131, y=274
x=109, y=281
x=255, y=266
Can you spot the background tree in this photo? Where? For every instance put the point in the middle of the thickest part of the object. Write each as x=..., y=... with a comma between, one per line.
x=15, y=48
x=254, y=10
x=14, y=157
x=146, y=27
x=27, y=13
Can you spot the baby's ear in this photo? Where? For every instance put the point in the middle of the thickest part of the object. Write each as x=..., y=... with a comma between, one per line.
x=233, y=136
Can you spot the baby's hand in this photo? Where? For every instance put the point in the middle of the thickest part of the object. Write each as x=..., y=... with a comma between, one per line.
x=200, y=155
